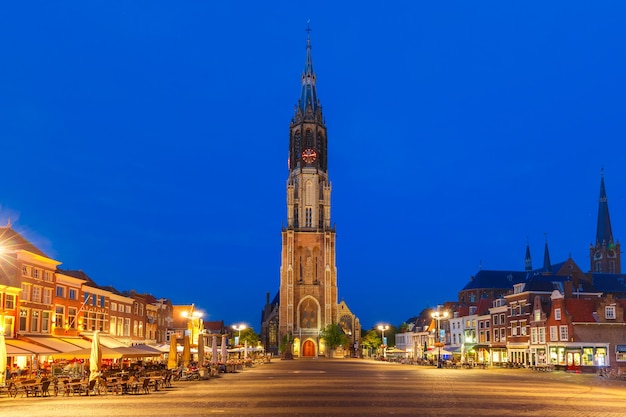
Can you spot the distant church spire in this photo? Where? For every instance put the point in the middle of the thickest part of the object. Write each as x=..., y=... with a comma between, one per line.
x=308, y=95
x=528, y=263
x=547, y=267
x=605, y=255
x=604, y=233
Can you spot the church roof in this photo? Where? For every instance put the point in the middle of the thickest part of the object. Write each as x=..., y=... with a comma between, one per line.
x=609, y=283
x=308, y=94
x=495, y=279
x=604, y=233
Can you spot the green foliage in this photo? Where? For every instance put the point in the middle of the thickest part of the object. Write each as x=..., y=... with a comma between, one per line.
x=334, y=336
x=403, y=328
x=248, y=334
x=371, y=339
x=285, y=343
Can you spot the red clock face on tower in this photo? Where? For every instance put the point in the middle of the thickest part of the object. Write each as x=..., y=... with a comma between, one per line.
x=309, y=156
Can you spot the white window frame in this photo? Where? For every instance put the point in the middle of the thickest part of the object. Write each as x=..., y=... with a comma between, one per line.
x=609, y=312
x=563, y=333
x=557, y=314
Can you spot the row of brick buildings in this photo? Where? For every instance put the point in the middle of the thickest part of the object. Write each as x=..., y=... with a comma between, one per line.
x=553, y=316
x=45, y=309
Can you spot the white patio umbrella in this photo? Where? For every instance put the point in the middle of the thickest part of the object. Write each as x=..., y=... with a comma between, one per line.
x=214, y=349
x=96, y=357
x=224, y=349
x=3, y=359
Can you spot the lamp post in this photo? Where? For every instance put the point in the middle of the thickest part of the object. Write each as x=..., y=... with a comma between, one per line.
x=382, y=328
x=239, y=328
x=194, y=321
x=437, y=315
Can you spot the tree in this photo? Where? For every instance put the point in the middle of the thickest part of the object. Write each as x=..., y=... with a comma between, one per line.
x=334, y=336
x=371, y=340
x=249, y=335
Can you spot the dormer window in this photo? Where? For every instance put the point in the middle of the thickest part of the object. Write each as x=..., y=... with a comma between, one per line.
x=609, y=312
x=518, y=288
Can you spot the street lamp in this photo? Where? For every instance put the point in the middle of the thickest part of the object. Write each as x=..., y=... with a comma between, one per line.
x=382, y=328
x=194, y=321
x=437, y=315
x=239, y=328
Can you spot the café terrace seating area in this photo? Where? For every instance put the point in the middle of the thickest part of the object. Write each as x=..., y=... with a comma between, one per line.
x=135, y=379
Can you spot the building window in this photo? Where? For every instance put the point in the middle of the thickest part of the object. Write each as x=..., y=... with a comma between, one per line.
x=71, y=294
x=495, y=319
x=36, y=294
x=522, y=328
x=35, y=273
x=113, y=306
x=127, y=308
x=34, y=321
x=23, y=323
x=25, y=271
x=502, y=318
x=513, y=329
x=609, y=312
x=554, y=335
x=47, y=276
x=127, y=326
x=113, y=326
x=60, y=291
x=308, y=217
x=557, y=314
x=25, y=292
x=563, y=331
x=9, y=301
x=47, y=296
x=45, y=322
x=533, y=336
x=140, y=310
x=140, y=329
x=537, y=315
x=72, y=314
x=102, y=301
x=59, y=316
x=542, y=335
x=120, y=326
x=503, y=334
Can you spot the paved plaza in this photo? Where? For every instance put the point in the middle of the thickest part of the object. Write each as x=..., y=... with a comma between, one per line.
x=353, y=387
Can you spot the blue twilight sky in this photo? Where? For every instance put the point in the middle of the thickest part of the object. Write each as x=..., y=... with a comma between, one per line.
x=145, y=142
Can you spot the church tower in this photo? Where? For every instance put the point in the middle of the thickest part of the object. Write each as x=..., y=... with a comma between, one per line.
x=605, y=256
x=308, y=274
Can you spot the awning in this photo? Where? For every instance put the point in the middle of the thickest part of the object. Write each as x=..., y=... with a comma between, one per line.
x=15, y=351
x=78, y=341
x=52, y=342
x=110, y=342
x=30, y=348
x=135, y=352
x=151, y=349
x=107, y=353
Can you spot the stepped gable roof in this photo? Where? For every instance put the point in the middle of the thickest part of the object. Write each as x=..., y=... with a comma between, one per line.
x=581, y=310
x=609, y=283
x=10, y=240
x=495, y=279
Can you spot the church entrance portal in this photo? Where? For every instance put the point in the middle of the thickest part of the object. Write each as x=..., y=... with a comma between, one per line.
x=308, y=349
